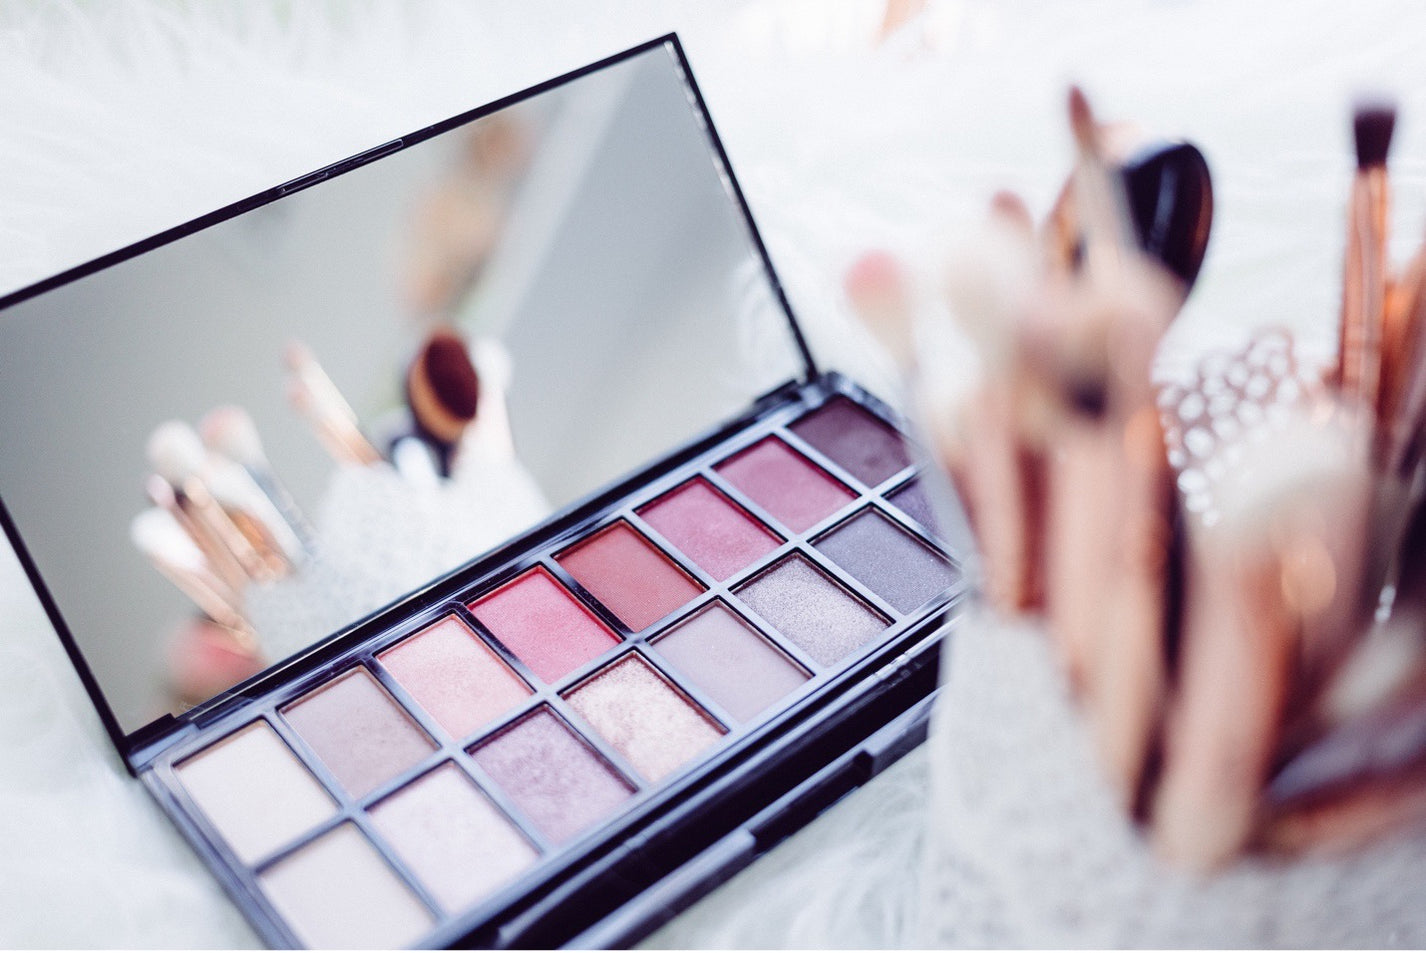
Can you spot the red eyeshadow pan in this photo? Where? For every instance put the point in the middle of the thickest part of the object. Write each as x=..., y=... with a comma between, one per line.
x=785, y=483
x=709, y=529
x=543, y=624
x=623, y=570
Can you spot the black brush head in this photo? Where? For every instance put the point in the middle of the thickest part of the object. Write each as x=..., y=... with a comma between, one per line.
x=1372, y=125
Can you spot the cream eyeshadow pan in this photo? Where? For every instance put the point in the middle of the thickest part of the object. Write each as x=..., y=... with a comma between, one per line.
x=486, y=738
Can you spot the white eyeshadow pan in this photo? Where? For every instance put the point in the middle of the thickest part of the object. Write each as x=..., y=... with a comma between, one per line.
x=337, y=893
x=254, y=791
x=454, y=839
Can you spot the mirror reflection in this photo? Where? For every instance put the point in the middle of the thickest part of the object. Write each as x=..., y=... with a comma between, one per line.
x=225, y=449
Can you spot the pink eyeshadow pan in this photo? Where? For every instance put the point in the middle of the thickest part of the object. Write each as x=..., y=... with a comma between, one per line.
x=709, y=529
x=455, y=676
x=359, y=732
x=552, y=775
x=623, y=570
x=543, y=624
x=792, y=488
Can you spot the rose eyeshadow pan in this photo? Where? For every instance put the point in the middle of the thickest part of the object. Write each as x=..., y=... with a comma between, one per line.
x=815, y=612
x=358, y=731
x=647, y=720
x=561, y=784
x=888, y=560
x=854, y=440
x=793, y=489
x=546, y=627
x=627, y=573
x=718, y=536
x=455, y=676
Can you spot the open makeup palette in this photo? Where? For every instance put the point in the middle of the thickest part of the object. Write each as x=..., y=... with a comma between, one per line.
x=563, y=737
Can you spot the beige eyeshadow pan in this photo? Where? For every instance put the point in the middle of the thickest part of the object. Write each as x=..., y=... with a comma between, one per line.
x=338, y=893
x=254, y=791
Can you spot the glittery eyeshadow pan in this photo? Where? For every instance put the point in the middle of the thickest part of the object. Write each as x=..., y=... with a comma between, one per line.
x=793, y=489
x=816, y=613
x=646, y=720
x=552, y=775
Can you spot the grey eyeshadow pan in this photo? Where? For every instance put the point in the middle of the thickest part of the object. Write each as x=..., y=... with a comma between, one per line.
x=888, y=560
x=813, y=611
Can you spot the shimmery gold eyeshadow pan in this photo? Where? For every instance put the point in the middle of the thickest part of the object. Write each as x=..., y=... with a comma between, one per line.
x=516, y=753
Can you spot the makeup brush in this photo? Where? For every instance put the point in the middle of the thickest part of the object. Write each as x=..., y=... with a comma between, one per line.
x=443, y=391
x=1403, y=410
x=1269, y=586
x=176, y=454
x=312, y=393
x=224, y=563
x=157, y=535
x=230, y=431
x=1364, y=275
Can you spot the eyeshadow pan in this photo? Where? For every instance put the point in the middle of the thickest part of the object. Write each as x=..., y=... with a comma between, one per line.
x=912, y=500
x=627, y=573
x=644, y=718
x=709, y=529
x=782, y=481
x=455, y=676
x=452, y=837
x=360, y=733
x=543, y=624
x=888, y=560
x=338, y=893
x=730, y=661
x=255, y=791
x=812, y=610
x=855, y=440
x=561, y=784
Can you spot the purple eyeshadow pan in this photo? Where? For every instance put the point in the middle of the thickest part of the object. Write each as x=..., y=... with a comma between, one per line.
x=552, y=775
x=358, y=731
x=912, y=500
x=855, y=440
x=888, y=560
x=796, y=491
x=814, y=611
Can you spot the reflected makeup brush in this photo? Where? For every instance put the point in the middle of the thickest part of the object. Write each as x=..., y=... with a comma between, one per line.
x=157, y=535
x=1359, y=360
x=1404, y=375
x=443, y=391
x=312, y=393
x=230, y=431
x=177, y=455
x=224, y=564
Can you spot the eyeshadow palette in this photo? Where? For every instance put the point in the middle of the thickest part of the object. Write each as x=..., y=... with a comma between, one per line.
x=487, y=738
x=699, y=589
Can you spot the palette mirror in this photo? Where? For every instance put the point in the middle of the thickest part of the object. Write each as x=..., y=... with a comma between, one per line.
x=582, y=242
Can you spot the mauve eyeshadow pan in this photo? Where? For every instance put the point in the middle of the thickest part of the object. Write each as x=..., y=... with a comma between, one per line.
x=815, y=612
x=543, y=624
x=888, y=560
x=720, y=654
x=455, y=676
x=644, y=718
x=855, y=440
x=360, y=733
x=552, y=775
x=912, y=500
x=709, y=529
x=627, y=573
x=782, y=481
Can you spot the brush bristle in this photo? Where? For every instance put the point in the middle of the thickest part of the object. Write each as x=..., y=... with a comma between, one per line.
x=446, y=364
x=1372, y=126
x=1082, y=120
x=230, y=431
x=156, y=534
x=175, y=452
